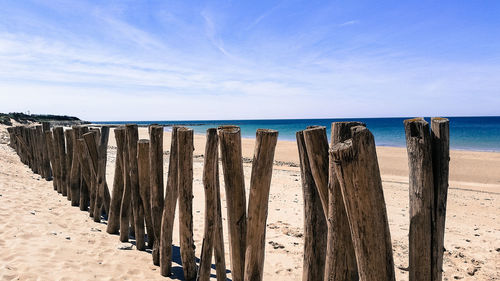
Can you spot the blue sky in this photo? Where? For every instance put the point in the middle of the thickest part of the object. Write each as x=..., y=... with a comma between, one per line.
x=164, y=60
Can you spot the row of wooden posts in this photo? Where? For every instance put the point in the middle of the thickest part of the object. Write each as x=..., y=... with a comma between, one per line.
x=346, y=231
x=76, y=161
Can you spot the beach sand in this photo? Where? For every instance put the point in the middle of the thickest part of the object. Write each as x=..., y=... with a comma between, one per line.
x=43, y=238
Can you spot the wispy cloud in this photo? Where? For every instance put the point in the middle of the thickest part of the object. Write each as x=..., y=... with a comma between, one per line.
x=351, y=22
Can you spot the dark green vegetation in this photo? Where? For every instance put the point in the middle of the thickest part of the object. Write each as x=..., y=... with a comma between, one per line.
x=5, y=118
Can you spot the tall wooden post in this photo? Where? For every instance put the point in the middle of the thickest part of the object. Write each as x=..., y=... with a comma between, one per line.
x=232, y=166
x=69, y=159
x=167, y=224
x=156, y=167
x=125, y=208
x=102, y=200
x=220, y=254
x=46, y=156
x=145, y=186
x=315, y=227
x=185, y=149
x=440, y=136
x=260, y=183
x=340, y=262
x=85, y=172
x=357, y=168
x=209, y=182
x=137, y=207
x=61, y=159
x=50, y=149
x=418, y=143
x=116, y=200
x=75, y=171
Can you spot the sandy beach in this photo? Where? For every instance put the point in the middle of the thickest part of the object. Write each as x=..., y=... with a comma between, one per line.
x=43, y=238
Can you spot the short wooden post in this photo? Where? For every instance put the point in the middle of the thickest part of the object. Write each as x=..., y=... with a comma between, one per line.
x=52, y=158
x=156, y=167
x=116, y=199
x=315, y=227
x=171, y=194
x=357, y=168
x=102, y=192
x=232, y=166
x=125, y=208
x=209, y=182
x=421, y=188
x=90, y=150
x=39, y=150
x=46, y=156
x=144, y=185
x=317, y=151
x=260, y=183
x=440, y=135
x=340, y=264
x=137, y=207
x=69, y=160
x=185, y=149
x=75, y=171
x=61, y=159
x=85, y=175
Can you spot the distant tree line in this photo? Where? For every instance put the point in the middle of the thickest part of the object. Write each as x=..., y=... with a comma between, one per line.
x=5, y=118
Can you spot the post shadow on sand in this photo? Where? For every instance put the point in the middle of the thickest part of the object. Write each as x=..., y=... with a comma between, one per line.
x=176, y=272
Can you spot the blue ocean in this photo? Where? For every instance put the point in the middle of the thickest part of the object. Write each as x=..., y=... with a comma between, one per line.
x=466, y=133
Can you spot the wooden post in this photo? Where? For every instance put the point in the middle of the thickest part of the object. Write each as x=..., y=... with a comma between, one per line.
x=209, y=181
x=90, y=150
x=61, y=159
x=46, y=156
x=39, y=150
x=125, y=208
x=156, y=167
x=357, y=168
x=69, y=160
x=418, y=143
x=116, y=200
x=260, y=183
x=50, y=149
x=440, y=135
x=85, y=175
x=137, y=207
x=315, y=227
x=167, y=224
x=317, y=151
x=220, y=254
x=185, y=149
x=144, y=186
x=340, y=261
x=75, y=171
x=102, y=193
x=232, y=166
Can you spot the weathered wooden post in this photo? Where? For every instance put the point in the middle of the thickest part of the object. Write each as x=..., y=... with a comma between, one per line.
x=39, y=150
x=90, y=150
x=260, y=183
x=125, y=208
x=421, y=188
x=75, y=171
x=317, y=151
x=167, y=224
x=440, y=136
x=46, y=156
x=156, y=168
x=232, y=166
x=137, y=207
x=220, y=254
x=69, y=160
x=357, y=168
x=185, y=168
x=116, y=200
x=209, y=181
x=102, y=192
x=85, y=176
x=340, y=264
x=50, y=149
x=144, y=186
x=61, y=159
x=315, y=227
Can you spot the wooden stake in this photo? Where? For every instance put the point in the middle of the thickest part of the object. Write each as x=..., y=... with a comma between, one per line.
x=91, y=152
x=61, y=159
x=220, y=255
x=126, y=199
x=46, y=156
x=357, y=168
x=144, y=185
x=102, y=192
x=440, y=135
x=209, y=181
x=185, y=148
x=232, y=166
x=418, y=143
x=69, y=160
x=75, y=171
x=340, y=262
x=137, y=207
x=260, y=183
x=315, y=227
x=167, y=224
x=317, y=151
x=116, y=199
x=85, y=175
x=156, y=167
